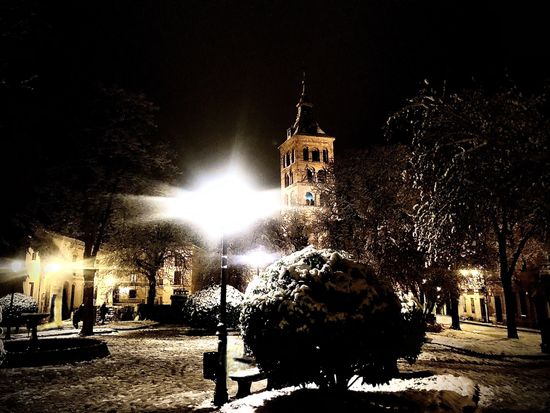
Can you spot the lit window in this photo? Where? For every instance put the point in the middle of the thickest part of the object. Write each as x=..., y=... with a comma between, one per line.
x=310, y=199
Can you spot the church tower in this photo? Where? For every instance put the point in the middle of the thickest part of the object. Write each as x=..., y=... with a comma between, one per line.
x=305, y=155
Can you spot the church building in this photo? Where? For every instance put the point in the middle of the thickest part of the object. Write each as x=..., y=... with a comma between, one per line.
x=305, y=156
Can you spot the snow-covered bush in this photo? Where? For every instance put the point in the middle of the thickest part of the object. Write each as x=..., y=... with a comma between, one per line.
x=2, y=352
x=317, y=316
x=202, y=309
x=21, y=304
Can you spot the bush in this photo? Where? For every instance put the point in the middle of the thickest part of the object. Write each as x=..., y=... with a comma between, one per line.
x=316, y=316
x=21, y=304
x=202, y=309
x=2, y=352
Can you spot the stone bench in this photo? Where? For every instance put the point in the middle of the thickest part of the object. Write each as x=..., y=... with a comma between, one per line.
x=244, y=379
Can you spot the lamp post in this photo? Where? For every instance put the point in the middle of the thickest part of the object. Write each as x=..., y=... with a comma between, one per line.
x=223, y=204
x=220, y=395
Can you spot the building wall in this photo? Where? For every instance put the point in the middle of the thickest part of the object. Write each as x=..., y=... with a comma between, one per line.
x=293, y=165
x=524, y=286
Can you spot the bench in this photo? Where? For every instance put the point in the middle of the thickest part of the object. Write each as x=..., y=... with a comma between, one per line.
x=244, y=379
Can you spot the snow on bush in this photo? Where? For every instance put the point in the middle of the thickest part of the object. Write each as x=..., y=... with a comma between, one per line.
x=21, y=304
x=2, y=352
x=317, y=316
x=203, y=308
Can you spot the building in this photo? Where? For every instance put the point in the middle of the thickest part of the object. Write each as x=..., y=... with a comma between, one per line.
x=53, y=275
x=305, y=156
x=482, y=296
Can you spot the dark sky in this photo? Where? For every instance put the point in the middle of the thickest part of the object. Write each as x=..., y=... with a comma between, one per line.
x=226, y=74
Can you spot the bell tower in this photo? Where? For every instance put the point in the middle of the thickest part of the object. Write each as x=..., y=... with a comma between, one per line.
x=305, y=155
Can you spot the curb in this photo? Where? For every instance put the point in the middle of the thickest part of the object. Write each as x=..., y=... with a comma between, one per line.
x=474, y=353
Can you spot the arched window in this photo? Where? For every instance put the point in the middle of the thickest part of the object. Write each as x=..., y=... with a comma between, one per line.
x=321, y=176
x=306, y=154
x=287, y=180
x=290, y=178
x=315, y=155
x=310, y=199
x=325, y=155
x=309, y=175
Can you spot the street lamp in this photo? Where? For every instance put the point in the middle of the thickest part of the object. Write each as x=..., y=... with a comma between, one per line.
x=221, y=204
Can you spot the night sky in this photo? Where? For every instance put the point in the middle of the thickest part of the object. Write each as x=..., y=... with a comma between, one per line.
x=226, y=74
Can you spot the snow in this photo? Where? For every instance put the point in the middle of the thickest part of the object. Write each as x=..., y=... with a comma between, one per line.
x=159, y=368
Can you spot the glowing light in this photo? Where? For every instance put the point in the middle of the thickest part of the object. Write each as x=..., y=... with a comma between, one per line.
x=258, y=257
x=225, y=203
x=475, y=273
x=53, y=267
x=17, y=266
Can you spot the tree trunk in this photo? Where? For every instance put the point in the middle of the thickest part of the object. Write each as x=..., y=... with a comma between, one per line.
x=455, y=319
x=152, y=290
x=510, y=302
x=88, y=317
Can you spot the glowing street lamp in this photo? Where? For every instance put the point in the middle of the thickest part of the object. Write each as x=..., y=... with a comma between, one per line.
x=258, y=258
x=223, y=204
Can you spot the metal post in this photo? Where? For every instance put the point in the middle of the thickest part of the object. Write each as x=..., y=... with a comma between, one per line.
x=220, y=395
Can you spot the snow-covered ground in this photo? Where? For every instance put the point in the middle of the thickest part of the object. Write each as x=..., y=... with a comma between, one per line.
x=160, y=369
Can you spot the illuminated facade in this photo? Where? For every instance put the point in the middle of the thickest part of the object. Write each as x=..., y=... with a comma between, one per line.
x=305, y=156
x=55, y=277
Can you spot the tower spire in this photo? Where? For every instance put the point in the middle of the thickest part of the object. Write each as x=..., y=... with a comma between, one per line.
x=305, y=123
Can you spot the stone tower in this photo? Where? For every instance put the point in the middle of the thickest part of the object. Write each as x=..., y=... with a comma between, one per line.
x=305, y=155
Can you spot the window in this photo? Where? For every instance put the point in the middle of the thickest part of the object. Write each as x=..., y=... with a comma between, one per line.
x=290, y=178
x=292, y=156
x=132, y=293
x=178, y=260
x=306, y=154
x=287, y=158
x=33, y=256
x=31, y=285
x=309, y=175
x=321, y=176
x=177, y=278
x=315, y=155
x=160, y=281
x=287, y=180
x=310, y=199
x=473, y=305
x=325, y=155
x=464, y=309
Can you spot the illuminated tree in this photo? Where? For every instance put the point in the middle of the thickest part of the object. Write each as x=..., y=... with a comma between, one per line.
x=480, y=162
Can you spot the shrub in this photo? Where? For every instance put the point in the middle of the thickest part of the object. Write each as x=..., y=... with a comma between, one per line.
x=21, y=304
x=2, y=352
x=317, y=316
x=202, y=309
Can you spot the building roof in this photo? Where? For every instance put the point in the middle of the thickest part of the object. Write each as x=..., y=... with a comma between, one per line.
x=305, y=123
